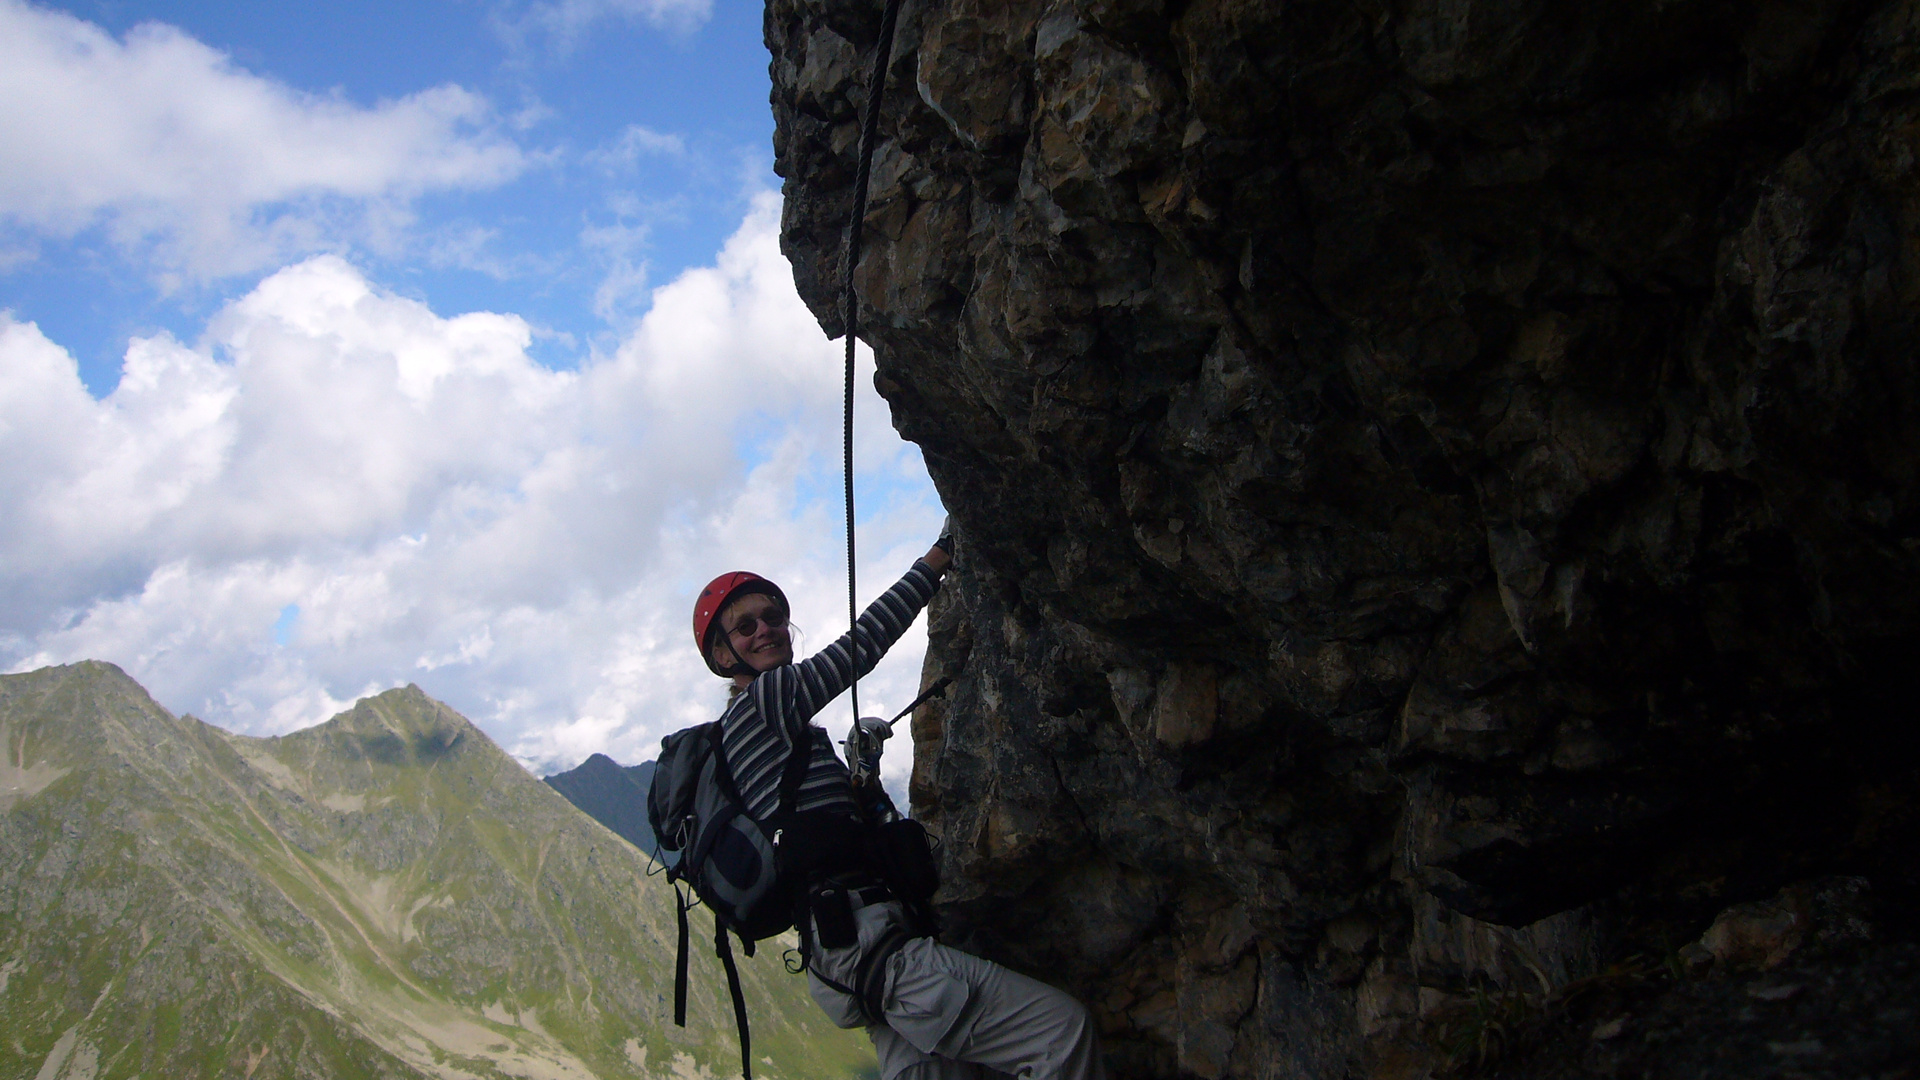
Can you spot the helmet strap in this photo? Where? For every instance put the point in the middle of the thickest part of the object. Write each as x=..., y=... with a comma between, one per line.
x=739, y=665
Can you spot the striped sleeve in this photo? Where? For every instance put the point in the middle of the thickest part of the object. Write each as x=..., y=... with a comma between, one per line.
x=791, y=695
x=762, y=724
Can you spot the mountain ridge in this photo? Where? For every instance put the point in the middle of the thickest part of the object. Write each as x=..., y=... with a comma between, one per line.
x=613, y=794
x=387, y=894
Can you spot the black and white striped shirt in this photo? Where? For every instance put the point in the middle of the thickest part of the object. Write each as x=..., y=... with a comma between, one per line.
x=762, y=722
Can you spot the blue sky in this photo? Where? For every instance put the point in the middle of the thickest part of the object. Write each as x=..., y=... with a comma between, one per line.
x=646, y=137
x=346, y=346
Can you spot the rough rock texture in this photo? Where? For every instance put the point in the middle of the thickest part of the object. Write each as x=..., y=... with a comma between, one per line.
x=1828, y=998
x=1435, y=480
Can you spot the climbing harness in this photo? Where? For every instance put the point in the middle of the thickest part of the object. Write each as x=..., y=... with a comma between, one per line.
x=869, y=131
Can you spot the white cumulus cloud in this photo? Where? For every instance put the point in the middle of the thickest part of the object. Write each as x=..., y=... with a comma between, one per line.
x=564, y=21
x=166, y=143
x=340, y=490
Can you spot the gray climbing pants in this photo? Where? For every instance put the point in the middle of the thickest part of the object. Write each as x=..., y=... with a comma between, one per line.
x=953, y=1016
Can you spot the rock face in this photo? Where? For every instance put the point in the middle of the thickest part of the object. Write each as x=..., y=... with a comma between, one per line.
x=385, y=895
x=1436, y=481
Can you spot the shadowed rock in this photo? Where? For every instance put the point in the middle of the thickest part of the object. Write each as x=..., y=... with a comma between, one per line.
x=1436, y=482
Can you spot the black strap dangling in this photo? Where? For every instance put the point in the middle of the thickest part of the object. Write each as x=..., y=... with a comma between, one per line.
x=725, y=952
x=680, y=962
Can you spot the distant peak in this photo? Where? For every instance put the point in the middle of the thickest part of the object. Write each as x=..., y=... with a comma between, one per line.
x=405, y=725
x=93, y=670
x=410, y=693
x=596, y=765
x=403, y=709
x=88, y=677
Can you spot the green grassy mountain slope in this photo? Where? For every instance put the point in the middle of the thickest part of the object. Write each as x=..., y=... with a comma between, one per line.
x=385, y=895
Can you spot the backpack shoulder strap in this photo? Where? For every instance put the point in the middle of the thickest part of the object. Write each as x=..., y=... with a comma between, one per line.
x=799, y=759
x=676, y=777
x=722, y=768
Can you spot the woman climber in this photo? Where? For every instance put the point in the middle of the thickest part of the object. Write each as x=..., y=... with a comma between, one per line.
x=941, y=1013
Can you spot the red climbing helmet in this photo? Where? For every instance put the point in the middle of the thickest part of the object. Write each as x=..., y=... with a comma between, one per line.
x=718, y=594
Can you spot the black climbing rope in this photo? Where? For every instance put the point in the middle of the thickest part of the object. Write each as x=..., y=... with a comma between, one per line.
x=869, y=131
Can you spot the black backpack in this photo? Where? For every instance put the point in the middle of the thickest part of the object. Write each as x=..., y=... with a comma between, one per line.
x=725, y=854
x=751, y=873
x=754, y=873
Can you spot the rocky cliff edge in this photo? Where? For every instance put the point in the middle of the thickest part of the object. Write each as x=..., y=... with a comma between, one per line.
x=1435, y=480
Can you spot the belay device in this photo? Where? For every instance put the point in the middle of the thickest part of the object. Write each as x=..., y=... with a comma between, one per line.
x=863, y=743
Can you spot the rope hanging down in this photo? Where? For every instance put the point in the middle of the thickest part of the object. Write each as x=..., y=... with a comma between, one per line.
x=869, y=132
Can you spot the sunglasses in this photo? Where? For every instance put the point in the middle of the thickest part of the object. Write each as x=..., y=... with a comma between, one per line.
x=750, y=625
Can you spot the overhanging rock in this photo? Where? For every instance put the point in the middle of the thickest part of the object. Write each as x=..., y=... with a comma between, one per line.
x=1436, y=481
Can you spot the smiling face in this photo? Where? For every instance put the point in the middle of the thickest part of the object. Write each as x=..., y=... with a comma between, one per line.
x=756, y=626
